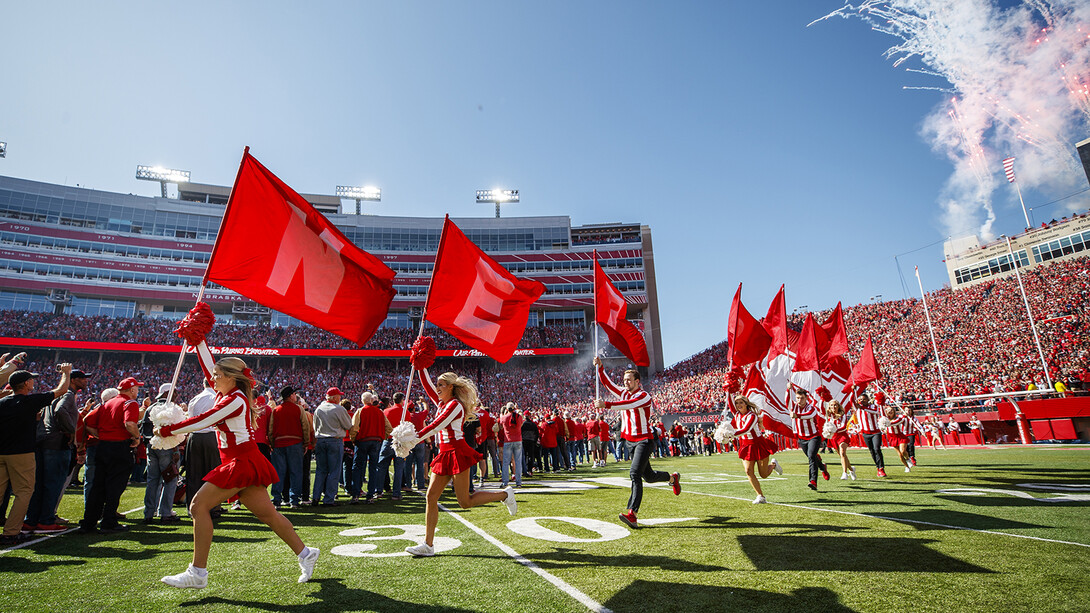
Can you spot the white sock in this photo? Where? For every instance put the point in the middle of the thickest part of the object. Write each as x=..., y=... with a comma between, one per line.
x=305, y=552
x=200, y=572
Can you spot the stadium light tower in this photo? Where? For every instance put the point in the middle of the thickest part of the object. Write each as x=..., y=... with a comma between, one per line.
x=497, y=196
x=876, y=297
x=359, y=194
x=162, y=175
x=3, y=149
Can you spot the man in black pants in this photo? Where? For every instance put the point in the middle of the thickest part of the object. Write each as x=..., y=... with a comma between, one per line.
x=114, y=425
x=867, y=416
x=635, y=408
x=804, y=421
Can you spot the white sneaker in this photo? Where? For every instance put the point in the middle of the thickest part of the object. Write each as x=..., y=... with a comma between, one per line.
x=759, y=500
x=843, y=476
x=512, y=504
x=851, y=473
x=189, y=578
x=776, y=467
x=423, y=550
x=907, y=469
x=306, y=564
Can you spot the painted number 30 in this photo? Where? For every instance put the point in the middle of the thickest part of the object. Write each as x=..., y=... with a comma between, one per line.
x=414, y=533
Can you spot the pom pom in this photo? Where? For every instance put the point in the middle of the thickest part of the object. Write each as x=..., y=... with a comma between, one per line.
x=824, y=394
x=880, y=398
x=733, y=382
x=195, y=326
x=883, y=423
x=829, y=430
x=423, y=352
x=166, y=414
x=404, y=438
x=724, y=432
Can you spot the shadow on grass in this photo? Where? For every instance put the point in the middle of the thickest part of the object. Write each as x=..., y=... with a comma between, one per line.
x=24, y=566
x=957, y=518
x=726, y=522
x=850, y=553
x=332, y=596
x=661, y=596
x=996, y=499
x=578, y=558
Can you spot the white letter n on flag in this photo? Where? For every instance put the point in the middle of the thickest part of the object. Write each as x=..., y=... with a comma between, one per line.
x=317, y=257
x=485, y=298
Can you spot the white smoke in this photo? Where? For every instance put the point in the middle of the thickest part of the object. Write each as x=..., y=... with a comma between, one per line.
x=1020, y=79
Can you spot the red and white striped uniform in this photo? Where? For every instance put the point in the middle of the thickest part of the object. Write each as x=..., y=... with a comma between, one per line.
x=635, y=408
x=899, y=425
x=841, y=423
x=448, y=422
x=230, y=416
x=868, y=418
x=746, y=427
x=804, y=423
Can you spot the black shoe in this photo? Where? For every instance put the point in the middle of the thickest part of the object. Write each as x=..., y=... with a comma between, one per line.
x=13, y=540
x=85, y=529
x=149, y=520
x=114, y=529
x=171, y=519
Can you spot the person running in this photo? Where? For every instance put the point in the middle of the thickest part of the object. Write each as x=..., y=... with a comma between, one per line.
x=754, y=449
x=452, y=394
x=804, y=413
x=867, y=415
x=243, y=471
x=837, y=423
x=897, y=435
x=635, y=408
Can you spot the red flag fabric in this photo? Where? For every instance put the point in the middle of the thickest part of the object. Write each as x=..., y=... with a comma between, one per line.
x=477, y=300
x=610, y=309
x=774, y=414
x=807, y=351
x=866, y=370
x=775, y=322
x=276, y=249
x=747, y=339
x=838, y=334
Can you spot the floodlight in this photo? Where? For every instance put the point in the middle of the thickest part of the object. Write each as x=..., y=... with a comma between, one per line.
x=162, y=175
x=497, y=196
x=3, y=149
x=359, y=194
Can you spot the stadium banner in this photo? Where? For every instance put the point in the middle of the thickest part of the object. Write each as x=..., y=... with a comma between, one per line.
x=264, y=351
x=690, y=419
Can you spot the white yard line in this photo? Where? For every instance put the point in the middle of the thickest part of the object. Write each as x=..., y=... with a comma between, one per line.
x=564, y=586
x=42, y=537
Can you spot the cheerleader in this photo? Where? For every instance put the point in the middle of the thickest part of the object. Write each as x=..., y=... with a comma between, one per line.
x=754, y=450
x=836, y=431
x=804, y=422
x=897, y=435
x=452, y=394
x=935, y=432
x=243, y=469
x=913, y=428
x=868, y=415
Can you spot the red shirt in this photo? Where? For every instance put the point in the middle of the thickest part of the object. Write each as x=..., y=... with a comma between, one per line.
x=487, y=422
x=418, y=418
x=287, y=424
x=393, y=414
x=548, y=434
x=110, y=419
x=261, y=433
x=512, y=427
x=372, y=423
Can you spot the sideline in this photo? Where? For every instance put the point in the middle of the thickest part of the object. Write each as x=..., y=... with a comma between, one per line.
x=564, y=586
x=43, y=537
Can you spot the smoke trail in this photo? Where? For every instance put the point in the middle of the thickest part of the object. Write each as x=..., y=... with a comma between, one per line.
x=1021, y=83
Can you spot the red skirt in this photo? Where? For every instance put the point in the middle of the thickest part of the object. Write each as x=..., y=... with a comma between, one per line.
x=454, y=458
x=757, y=449
x=895, y=440
x=242, y=466
x=838, y=438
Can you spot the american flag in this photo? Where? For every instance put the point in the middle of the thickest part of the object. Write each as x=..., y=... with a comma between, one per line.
x=1008, y=167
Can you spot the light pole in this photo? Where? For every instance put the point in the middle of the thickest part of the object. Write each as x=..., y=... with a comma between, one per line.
x=3, y=149
x=359, y=194
x=497, y=196
x=162, y=175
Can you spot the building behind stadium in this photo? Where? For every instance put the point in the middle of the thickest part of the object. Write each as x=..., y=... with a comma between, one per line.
x=82, y=251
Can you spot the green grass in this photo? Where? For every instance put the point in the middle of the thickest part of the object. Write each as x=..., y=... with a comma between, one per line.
x=870, y=545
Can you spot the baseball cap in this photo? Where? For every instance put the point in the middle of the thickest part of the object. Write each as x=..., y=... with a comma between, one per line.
x=20, y=376
x=286, y=392
x=79, y=374
x=164, y=389
x=334, y=391
x=128, y=382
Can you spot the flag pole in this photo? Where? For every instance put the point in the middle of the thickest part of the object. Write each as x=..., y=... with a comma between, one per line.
x=597, y=385
x=1019, y=190
x=207, y=268
x=423, y=317
x=934, y=344
x=1029, y=313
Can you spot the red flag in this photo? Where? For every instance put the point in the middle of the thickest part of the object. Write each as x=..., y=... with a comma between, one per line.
x=837, y=333
x=807, y=351
x=610, y=308
x=866, y=370
x=775, y=322
x=276, y=249
x=774, y=416
x=475, y=299
x=747, y=339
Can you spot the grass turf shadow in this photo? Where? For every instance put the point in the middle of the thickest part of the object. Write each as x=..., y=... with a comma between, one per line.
x=333, y=595
x=850, y=553
x=641, y=596
x=957, y=518
x=578, y=558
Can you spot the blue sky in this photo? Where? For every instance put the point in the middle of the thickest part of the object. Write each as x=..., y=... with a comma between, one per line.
x=759, y=150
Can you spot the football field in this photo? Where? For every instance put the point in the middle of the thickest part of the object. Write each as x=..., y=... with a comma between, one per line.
x=1001, y=529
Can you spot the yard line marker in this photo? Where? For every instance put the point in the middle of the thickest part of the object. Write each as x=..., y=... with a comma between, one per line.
x=54, y=534
x=564, y=586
